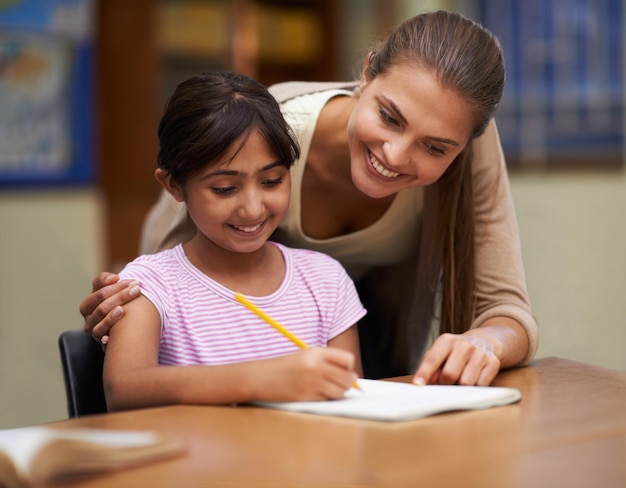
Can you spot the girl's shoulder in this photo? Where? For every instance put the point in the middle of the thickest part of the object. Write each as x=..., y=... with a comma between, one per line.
x=162, y=263
x=159, y=258
x=312, y=262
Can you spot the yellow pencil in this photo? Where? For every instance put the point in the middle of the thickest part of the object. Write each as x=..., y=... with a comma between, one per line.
x=300, y=343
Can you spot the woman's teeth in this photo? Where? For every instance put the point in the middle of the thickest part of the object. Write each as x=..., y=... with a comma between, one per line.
x=380, y=169
x=248, y=228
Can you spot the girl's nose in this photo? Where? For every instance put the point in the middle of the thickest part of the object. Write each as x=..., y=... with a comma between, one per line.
x=251, y=205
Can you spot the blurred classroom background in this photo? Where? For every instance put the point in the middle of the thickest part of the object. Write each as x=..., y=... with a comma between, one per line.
x=82, y=86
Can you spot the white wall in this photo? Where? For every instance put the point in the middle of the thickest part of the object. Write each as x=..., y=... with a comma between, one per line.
x=50, y=249
x=574, y=245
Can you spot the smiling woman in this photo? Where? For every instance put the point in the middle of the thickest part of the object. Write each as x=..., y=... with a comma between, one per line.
x=401, y=178
x=406, y=128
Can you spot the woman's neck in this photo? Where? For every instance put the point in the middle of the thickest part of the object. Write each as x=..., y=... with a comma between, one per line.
x=329, y=144
x=331, y=204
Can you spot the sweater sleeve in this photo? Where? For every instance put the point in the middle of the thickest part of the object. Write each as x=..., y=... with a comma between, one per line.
x=165, y=225
x=500, y=278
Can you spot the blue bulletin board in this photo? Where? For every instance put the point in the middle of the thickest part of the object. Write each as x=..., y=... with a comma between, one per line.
x=46, y=93
x=563, y=103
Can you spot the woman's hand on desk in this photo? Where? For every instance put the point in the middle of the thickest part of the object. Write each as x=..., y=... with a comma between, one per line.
x=464, y=359
x=102, y=309
x=476, y=356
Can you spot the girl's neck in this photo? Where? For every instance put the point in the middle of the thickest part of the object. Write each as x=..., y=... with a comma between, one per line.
x=258, y=273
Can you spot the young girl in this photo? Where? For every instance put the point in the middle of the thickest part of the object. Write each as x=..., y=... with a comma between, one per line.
x=226, y=151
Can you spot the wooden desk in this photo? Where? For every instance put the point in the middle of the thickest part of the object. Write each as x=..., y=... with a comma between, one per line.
x=569, y=430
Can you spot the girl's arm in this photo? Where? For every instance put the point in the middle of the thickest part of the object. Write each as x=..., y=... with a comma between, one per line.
x=349, y=340
x=134, y=379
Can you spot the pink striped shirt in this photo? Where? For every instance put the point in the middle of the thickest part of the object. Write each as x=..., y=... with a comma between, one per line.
x=202, y=323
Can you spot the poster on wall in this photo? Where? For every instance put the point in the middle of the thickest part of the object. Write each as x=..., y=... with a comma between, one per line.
x=563, y=103
x=46, y=93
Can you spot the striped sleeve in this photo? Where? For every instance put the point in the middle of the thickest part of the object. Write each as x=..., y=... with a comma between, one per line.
x=151, y=280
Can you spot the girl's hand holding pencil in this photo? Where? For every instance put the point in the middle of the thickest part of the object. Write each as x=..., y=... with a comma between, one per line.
x=312, y=374
x=319, y=360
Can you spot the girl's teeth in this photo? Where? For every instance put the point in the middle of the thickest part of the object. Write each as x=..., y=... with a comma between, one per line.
x=380, y=169
x=248, y=229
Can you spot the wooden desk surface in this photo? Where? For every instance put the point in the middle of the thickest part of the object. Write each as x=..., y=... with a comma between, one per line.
x=569, y=430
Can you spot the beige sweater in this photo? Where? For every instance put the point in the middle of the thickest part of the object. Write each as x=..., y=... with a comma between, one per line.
x=400, y=323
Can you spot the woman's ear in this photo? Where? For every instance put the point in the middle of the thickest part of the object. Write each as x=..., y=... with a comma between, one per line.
x=364, y=77
x=166, y=181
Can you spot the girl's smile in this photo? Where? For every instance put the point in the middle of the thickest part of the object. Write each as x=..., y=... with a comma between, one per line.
x=237, y=203
x=249, y=229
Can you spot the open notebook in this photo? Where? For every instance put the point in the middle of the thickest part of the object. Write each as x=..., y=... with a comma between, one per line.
x=391, y=401
x=37, y=456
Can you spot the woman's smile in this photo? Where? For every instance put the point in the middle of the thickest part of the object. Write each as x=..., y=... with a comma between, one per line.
x=380, y=168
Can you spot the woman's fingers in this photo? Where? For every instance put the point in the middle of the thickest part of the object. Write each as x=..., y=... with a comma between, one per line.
x=103, y=307
x=457, y=359
x=433, y=360
x=89, y=304
x=489, y=372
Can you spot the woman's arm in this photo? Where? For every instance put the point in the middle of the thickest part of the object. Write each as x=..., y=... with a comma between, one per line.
x=134, y=379
x=504, y=332
x=500, y=278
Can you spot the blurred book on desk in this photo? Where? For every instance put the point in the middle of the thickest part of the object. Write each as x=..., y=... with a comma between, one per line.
x=38, y=456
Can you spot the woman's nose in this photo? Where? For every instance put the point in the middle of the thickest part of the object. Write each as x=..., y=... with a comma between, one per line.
x=396, y=153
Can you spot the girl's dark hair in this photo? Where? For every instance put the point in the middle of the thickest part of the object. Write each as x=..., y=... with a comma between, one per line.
x=209, y=112
x=468, y=59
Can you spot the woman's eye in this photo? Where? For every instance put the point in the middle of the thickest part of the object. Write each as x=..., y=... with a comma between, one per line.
x=435, y=150
x=386, y=117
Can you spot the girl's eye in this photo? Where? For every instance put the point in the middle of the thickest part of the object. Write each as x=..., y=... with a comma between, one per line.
x=386, y=117
x=273, y=182
x=223, y=190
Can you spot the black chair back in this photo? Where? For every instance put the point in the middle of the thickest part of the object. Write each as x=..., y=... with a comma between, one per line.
x=82, y=359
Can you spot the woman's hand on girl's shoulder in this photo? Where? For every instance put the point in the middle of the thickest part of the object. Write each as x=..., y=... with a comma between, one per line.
x=102, y=308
